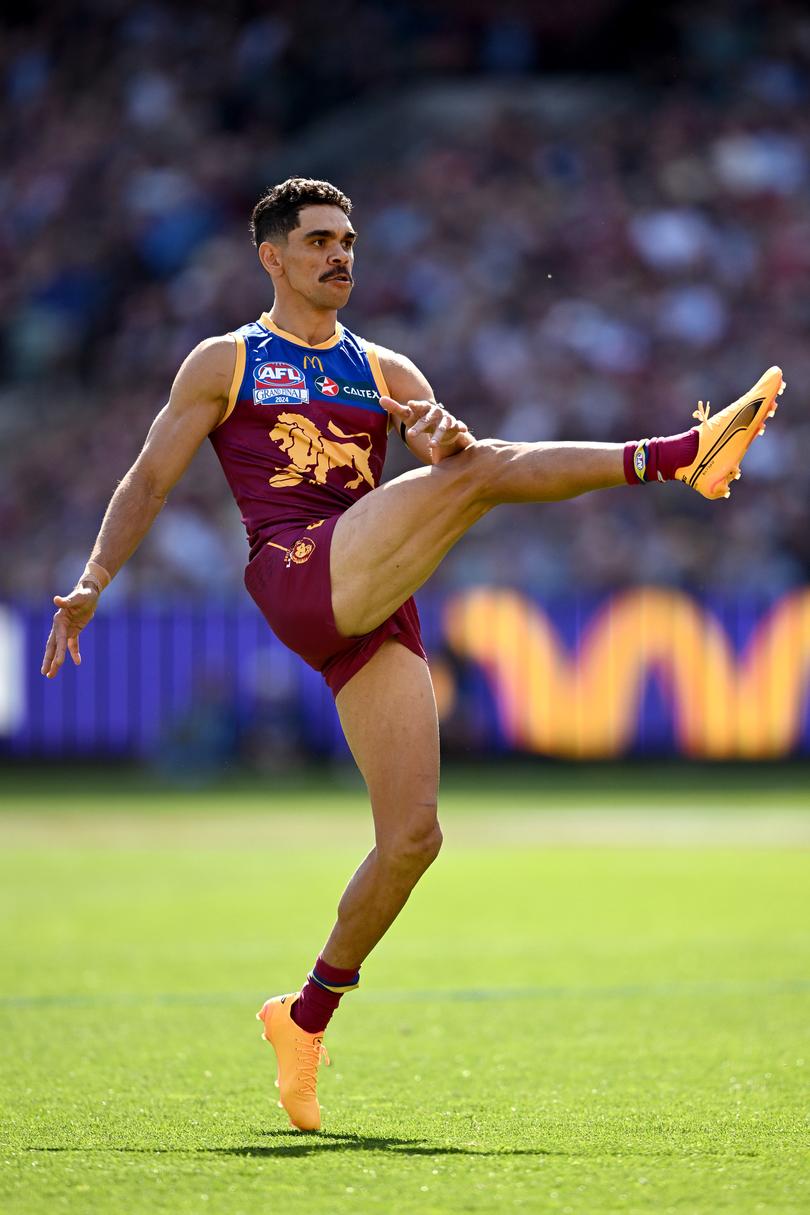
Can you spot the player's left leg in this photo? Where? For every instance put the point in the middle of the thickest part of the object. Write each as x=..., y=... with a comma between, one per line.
x=389, y=543
x=388, y=714
x=386, y=545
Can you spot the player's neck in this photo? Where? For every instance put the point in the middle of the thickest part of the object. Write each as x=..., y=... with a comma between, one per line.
x=308, y=324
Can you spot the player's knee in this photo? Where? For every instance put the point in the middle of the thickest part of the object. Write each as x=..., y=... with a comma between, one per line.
x=413, y=848
x=430, y=845
x=478, y=469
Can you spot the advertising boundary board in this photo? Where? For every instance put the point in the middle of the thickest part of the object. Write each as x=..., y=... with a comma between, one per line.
x=641, y=671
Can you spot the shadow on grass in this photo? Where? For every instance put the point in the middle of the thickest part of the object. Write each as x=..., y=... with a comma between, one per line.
x=300, y=1143
x=297, y=1143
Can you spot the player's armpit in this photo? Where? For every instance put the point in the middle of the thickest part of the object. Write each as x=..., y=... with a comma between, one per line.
x=197, y=403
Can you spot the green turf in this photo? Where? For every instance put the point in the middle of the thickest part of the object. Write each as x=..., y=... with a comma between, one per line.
x=547, y=1028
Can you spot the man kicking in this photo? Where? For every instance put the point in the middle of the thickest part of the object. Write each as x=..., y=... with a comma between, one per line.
x=298, y=410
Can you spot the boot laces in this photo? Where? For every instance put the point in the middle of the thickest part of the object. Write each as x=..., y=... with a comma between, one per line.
x=702, y=412
x=309, y=1059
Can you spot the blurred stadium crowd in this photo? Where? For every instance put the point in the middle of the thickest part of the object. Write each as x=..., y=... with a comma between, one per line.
x=585, y=279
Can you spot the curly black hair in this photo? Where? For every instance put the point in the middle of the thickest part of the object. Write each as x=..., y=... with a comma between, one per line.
x=277, y=212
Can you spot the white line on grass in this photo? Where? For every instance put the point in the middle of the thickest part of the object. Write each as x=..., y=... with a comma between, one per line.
x=464, y=995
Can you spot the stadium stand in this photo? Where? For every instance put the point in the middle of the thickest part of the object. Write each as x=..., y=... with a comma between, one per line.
x=566, y=259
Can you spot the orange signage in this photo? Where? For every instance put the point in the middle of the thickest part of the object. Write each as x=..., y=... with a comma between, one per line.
x=586, y=704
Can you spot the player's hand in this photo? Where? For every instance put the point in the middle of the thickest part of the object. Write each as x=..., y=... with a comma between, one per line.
x=74, y=612
x=445, y=434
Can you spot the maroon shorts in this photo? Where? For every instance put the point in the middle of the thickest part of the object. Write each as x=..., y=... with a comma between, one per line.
x=289, y=580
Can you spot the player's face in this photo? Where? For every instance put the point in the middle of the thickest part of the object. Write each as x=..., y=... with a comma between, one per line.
x=317, y=258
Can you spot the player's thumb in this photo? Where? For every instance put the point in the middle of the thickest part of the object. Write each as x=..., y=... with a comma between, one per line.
x=65, y=601
x=392, y=406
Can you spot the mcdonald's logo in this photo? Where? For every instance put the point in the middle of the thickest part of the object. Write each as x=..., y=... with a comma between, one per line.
x=585, y=701
x=313, y=360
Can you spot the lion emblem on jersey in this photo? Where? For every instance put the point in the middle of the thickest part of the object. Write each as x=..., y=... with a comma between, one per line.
x=312, y=454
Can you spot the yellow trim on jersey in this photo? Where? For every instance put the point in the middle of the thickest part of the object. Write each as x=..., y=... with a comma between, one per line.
x=373, y=356
x=266, y=320
x=238, y=372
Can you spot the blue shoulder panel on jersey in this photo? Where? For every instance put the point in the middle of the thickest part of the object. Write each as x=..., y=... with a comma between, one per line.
x=286, y=372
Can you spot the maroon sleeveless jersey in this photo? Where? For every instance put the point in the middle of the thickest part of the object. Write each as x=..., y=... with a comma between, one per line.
x=304, y=435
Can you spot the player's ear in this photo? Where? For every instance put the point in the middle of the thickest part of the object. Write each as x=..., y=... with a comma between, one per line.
x=269, y=257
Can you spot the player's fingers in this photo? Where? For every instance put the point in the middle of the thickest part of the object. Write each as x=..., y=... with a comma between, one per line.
x=418, y=428
x=421, y=408
x=428, y=422
x=448, y=429
x=454, y=440
x=58, y=656
x=395, y=407
x=78, y=598
x=73, y=648
x=77, y=608
x=71, y=607
x=458, y=433
x=50, y=650
x=438, y=434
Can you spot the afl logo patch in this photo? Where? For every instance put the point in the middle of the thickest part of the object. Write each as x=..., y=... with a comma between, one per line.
x=328, y=387
x=301, y=551
x=640, y=460
x=278, y=375
x=279, y=384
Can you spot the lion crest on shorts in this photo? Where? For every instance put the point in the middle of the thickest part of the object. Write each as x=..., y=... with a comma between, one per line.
x=301, y=551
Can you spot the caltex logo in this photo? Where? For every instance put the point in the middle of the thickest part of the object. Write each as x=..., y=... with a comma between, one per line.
x=328, y=387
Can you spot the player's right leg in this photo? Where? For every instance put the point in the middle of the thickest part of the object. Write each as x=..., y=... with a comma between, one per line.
x=387, y=544
x=388, y=714
x=389, y=718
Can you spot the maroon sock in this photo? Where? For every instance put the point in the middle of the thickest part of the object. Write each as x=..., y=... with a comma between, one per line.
x=659, y=459
x=321, y=994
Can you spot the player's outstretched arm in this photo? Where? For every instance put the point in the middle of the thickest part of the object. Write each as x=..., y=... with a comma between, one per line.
x=430, y=432
x=196, y=404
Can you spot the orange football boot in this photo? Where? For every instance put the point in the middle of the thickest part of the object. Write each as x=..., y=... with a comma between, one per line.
x=724, y=439
x=299, y=1055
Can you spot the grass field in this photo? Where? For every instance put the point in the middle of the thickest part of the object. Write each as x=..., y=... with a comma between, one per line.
x=595, y=1001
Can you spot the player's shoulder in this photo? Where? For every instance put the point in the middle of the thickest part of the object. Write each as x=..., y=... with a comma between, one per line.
x=221, y=350
x=208, y=369
x=406, y=381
